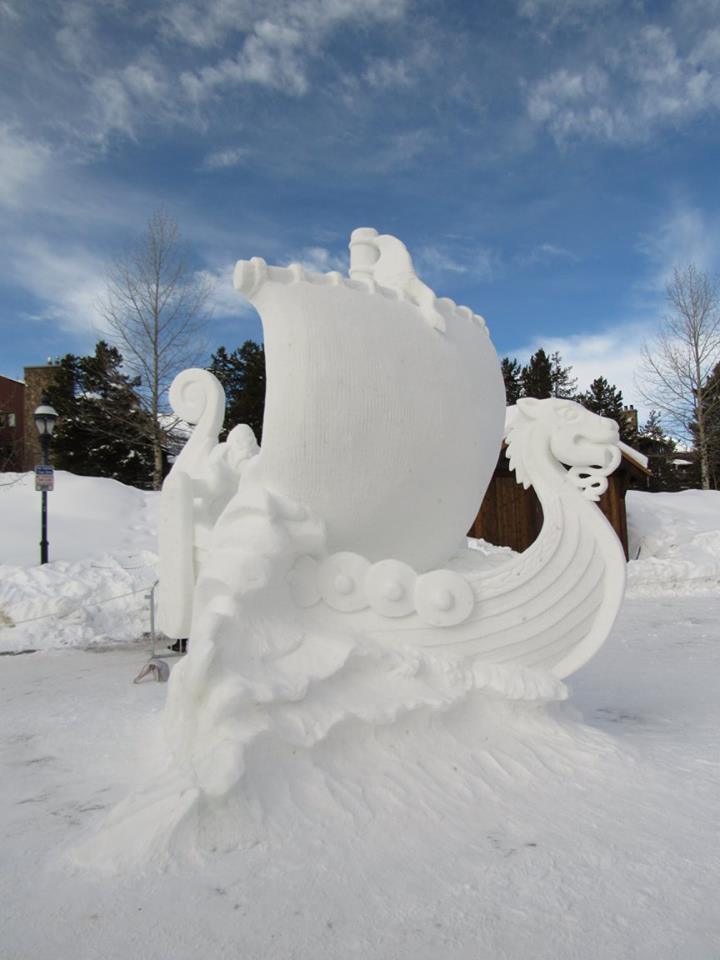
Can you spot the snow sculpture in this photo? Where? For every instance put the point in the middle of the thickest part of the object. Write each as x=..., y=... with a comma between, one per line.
x=327, y=575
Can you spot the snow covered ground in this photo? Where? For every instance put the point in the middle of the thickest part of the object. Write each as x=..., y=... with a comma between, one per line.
x=584, y=829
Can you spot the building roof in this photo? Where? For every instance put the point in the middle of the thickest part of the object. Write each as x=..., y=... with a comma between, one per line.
x=631, y=454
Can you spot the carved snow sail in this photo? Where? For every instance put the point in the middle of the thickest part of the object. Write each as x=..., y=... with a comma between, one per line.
x=384, y=408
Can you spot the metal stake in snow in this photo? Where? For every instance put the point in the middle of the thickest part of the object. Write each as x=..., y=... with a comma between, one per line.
x=156, y=667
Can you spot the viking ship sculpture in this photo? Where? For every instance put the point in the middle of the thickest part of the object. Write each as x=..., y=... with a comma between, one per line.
x=384, y=417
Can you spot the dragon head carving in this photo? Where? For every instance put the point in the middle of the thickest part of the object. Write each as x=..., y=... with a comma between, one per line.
x=581, y=440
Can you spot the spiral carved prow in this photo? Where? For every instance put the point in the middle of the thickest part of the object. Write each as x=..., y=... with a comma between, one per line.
x=197, y=397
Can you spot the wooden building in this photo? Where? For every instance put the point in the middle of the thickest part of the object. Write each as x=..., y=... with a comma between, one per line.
x=512, y=517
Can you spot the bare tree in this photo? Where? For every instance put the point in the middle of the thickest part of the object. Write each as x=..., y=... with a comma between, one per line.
x=156, y=305
x=676, y=367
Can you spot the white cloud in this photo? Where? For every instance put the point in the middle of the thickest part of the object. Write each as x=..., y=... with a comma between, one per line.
x=8, y=10
x=22, y=163
x=112, y=107
x=649, y=80
x=397, y=151
x=223, y=159
x=104, y=72
x=614, y=353
x=225, y=301
x=70, y=283
x=67, y=282
x=272, y=56
x=321, y=260
x=437, y=260
x=685, y=235
x=481, y=263
x=382, y=73
x=282, y=39
x=206, y=25
x=120, y=100
x=107, y=88
x=552, y=13
x=76, y=38
x=544, y=252
x=209, y=23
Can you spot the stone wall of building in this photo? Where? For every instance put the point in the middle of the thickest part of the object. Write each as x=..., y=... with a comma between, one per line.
x=37, y=380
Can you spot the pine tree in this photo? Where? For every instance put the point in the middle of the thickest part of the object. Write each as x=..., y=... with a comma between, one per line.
x=652, y=441
x=607, y=401
x=101, y=430
x=564, y=385
x=242, y=374
x=537, y=377
x=511, y=371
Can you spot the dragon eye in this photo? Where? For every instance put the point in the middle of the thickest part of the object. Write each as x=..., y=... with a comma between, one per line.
x=569, y=414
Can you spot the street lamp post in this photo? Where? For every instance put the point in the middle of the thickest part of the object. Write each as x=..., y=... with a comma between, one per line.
x=45, y=417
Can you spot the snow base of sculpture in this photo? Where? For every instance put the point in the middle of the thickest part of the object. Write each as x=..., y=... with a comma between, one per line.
x=322, y=742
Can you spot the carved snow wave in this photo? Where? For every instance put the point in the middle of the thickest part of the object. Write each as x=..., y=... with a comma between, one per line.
x=260, y=666
x=299, y=698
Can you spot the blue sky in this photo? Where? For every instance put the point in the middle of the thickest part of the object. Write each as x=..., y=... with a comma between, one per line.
x=547, y=162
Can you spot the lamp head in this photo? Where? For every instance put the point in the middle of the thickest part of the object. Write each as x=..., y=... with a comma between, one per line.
x=45, y=417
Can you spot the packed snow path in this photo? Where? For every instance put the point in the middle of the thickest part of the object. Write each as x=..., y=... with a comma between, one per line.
x=592, y=832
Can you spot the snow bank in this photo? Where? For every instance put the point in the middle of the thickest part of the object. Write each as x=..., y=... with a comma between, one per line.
x=675, y=542
x=92, y=593
x=87, y=516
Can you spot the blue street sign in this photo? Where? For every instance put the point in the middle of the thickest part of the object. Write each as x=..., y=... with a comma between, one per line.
x=44, y=477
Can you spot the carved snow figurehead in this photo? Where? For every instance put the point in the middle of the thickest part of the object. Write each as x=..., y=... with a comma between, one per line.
x=385, y=405
x=564, y=433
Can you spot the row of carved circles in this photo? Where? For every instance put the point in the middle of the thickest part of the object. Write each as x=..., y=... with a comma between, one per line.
x=348, y=582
